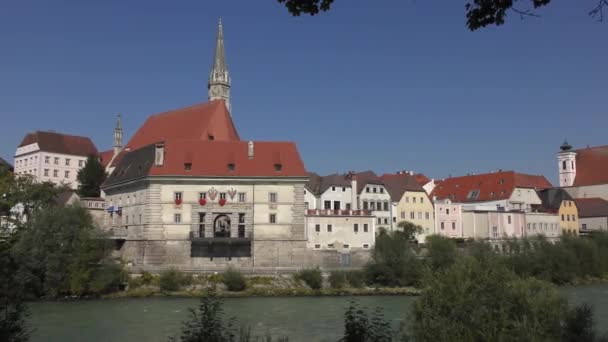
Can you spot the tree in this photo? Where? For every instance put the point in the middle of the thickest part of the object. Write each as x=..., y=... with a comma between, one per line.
x=410, y=229
x=441, y=251
x=13, y=312
x=393, y=261
x=485, y=301
x=61, y=252
x=91, y=177
x=360, y=326
x=479, y=13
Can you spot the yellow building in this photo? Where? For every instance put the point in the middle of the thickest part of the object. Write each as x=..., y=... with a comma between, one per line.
x=410, y=202
x=559, y=201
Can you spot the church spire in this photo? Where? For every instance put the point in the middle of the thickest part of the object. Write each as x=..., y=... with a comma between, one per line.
x=118, y=136
x=219, y=78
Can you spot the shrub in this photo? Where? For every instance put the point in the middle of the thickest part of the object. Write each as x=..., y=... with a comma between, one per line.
x=234, y=280
x=393, y=261
x=173, y=280
x=146, y=278
x=359, y=326
x=107, y=278
x=441, y=251
x=356, y=278
x=312, y=277
x=337, y=279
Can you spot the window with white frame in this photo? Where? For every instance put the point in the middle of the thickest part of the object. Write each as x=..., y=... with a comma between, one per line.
x=177, y=218
x=272, y=218
x=241, y=197
x=272, y=197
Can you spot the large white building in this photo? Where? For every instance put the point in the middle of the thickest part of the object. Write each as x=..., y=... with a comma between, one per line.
x=53, y=157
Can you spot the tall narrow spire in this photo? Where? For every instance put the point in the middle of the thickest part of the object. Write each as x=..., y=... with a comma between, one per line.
x=118, y=136
x=219, y=78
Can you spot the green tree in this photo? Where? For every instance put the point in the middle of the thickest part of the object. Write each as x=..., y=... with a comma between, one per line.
x=91, y=177
x=409, y=229
x=360, y=326
x=441, y=251
x=60, y=252
x=479, y=13
x=25, y=191
x=393, y=261
x=476, y=301
x=13, y=311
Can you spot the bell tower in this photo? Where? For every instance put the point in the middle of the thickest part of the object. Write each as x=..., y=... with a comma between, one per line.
x=118, y=136
x=566, y=159
x=219, y=78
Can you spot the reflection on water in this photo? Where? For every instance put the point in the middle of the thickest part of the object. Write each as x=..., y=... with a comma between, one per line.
x=302, y=319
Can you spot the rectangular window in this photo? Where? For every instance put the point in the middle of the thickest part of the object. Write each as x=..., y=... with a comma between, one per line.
x=187, y=166
x=412, y=215
x=365, y=205
x=46, y=172
x=317, y=228
x=495, y=232
x=331, y=245
x=442, y=225
x=306, y=205
x=242, y=197
x=56, y=161
x=447, y=211
x=453, y=225
x=241, y=225
x=317, y=246
x=67, y=174
x=273, y=197
x=222, y=195
x=80, y=162
x=365, y=229
x=327, y=205
x=346, y=246
x=427, y=215
x=333, y=188
x=127, y=219
x=385, y=206
x=568, y=217
x=347, y=206
x=407, y=199
x=47, y=160
x=336, y=205
x=329, y=228
x=421, y=199
x=584, y=226
x=67, y=161
x=343, y=189
x=414, y=199
x=563, y=217
x=273, y=218
x=509, y=219
x=241, y=218
x=202, y=195
x=177, y=218
x=177, y=196
x=420, y=215
x=365, y=245
x=367, y=189
x=379, y=220
x=385, y=221
x=403, y=214
x=375, y=189
x=55, y=173
x=381, y=190
x=356, y=227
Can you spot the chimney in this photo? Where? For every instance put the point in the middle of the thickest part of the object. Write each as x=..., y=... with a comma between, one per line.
x=250, y=150
x=411, y=173
x=159, y=155
x=354, y=204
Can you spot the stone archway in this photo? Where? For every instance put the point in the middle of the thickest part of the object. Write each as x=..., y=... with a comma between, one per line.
x=221, y=226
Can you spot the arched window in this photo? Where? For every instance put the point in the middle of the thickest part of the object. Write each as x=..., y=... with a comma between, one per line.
x=563, y=165
x=221, y=226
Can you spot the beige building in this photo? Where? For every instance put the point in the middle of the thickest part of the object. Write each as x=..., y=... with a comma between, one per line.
x=344, y=230
x=493, y=226
x=53, y=157
x=543, y=224
x=558, y=201
x=410, y=202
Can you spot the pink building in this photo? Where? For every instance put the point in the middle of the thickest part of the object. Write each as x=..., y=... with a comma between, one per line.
x=448, y=218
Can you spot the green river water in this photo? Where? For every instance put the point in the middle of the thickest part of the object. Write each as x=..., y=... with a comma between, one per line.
x=300, y=318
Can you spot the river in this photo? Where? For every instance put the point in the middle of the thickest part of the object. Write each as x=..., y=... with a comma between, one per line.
x=300, y=318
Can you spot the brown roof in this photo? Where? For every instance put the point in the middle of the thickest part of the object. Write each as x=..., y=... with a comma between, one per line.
x=60, y=143
x=205, y=121
x=490, y=186
x=366, y=177
x=421, y=178
x=591, y=166
x=591, y=207
x=318, y=185
x=398, y=184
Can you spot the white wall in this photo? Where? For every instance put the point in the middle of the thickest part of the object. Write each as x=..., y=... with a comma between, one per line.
x=383, y=217
x=593, y=223
x=542, y=224
x=30, y=160
x=336, y=193
x=342, y=232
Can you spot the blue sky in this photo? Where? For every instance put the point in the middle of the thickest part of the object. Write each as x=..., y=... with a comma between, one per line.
x=400, y=85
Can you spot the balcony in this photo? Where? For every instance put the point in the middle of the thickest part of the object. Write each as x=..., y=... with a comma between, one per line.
x=329, y=212
x=219, y=247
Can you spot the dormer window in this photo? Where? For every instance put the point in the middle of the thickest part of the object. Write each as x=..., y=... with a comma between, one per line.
x=502, y=181
x=473, y=194
x=230, y=167
x=187, y=166
x=210, y=137
x=278, y=167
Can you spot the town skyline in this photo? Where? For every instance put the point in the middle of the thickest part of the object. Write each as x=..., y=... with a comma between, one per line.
x=431, y=140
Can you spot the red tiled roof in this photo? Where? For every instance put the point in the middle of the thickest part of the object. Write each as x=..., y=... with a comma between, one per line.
x=591, y=207
x=105, y=157
x=211, y=158
x=491, y=186
x=398, y=184
x=421, y=178
x=591, y=166
x=197, y=122
x=60, y=143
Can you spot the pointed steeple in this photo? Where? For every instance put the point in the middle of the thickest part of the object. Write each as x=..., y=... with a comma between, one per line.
x=118, y=136
x=219, y=78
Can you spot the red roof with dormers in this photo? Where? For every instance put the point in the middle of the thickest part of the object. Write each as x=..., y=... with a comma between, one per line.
x=60, y=143
x=591, y=166
x=212, y=158
x=205, y=121
x=490, y=186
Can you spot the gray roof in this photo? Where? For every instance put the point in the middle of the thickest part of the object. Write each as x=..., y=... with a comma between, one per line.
x=319, y=184
x=551, y=199
x=135, y=164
